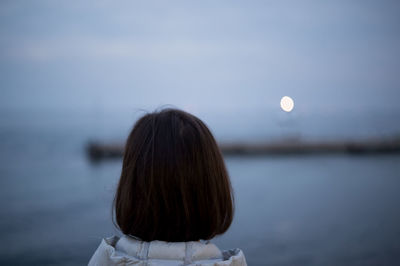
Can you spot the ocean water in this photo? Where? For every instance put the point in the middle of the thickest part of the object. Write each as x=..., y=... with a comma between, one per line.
x=290, y=210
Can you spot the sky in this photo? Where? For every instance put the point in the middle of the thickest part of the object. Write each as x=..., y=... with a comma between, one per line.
x=225, y=56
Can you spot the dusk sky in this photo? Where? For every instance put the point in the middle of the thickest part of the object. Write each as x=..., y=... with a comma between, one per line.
x=203, y=55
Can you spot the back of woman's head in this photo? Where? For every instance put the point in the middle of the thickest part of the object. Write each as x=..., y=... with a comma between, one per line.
x=174, y=185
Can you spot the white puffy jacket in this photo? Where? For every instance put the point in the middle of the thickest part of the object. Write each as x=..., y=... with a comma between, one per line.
x=129, y=251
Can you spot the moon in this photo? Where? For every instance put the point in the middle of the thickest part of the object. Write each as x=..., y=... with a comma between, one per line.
x=287, y=104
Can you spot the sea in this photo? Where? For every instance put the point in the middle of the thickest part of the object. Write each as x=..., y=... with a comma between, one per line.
x=331, y=209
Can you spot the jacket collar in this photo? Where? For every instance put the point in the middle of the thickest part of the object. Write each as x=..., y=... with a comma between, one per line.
x=190, y=251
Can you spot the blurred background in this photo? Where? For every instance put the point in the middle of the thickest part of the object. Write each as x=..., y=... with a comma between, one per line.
x=76, y=71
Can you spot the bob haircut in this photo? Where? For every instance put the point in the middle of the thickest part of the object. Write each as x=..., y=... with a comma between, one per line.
x=174, y=185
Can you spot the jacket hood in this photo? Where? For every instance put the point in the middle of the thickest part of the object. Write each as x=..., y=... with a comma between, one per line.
x=129, y=251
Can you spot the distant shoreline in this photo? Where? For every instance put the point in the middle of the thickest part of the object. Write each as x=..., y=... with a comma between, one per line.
x=97, y=150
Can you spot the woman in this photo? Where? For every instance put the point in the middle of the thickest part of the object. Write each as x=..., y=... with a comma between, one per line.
x=174, y=194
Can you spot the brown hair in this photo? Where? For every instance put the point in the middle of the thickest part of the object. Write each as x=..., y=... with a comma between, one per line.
x=174, y=185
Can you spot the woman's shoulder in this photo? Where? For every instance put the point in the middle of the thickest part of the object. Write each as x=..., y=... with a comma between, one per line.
x=126, y=250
